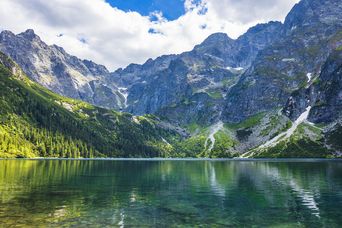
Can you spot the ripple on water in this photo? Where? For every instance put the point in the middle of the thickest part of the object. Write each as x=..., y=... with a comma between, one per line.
x=166, y=193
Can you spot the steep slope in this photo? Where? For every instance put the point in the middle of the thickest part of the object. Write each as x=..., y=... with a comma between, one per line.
x=37, y=122
x=317, y=130
x=58, y=71
x=195, y=82
x=311, y=31
x=323, y=94
x=300, y=67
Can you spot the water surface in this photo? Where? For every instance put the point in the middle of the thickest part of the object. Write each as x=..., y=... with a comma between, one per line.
x=100, y=193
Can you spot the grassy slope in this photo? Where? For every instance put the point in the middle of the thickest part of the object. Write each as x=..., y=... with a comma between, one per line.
x=194, y=146
x=36, y=122
x=306, y=141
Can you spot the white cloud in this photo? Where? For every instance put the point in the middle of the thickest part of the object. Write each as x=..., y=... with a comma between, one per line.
x=92, y=29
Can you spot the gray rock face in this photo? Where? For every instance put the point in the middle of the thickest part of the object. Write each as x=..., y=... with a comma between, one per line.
x=313, y=12
x=58, y=71
x=255, y=40
x=172, y=85
x=324, y=94
x=311, y=31
x=328, y=98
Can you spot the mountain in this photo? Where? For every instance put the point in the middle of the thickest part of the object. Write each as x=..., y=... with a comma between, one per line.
x=37, y=122
x=193, y=83
x=310, y=32
x=206, y=72
x=316, y=110
x=273, y=92
x=58, y=71
x=294, y=64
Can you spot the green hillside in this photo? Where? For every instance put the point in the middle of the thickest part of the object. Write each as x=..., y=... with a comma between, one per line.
x=34, y=122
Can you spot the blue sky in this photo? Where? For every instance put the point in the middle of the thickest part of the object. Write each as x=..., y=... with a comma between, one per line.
x=119, y=32
x=171, y=9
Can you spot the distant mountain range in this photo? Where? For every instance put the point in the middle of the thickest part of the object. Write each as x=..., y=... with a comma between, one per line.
x=276, y=91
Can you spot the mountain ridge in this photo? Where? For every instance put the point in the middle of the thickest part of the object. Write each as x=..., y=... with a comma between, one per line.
x=278, y=82
x=52, y=67
x=36, y=122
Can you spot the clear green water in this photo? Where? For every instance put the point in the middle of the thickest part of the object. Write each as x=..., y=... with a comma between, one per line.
x=62, y=193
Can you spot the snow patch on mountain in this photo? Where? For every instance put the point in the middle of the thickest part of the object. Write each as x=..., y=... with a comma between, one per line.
x=235, y=70
x=285, y=135
x=213, y=130
x=124, y=92
x=309, y=75
x=289, y=60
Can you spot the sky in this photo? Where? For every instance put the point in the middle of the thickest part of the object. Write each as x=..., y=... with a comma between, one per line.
x=172, y=9
x=116, y=33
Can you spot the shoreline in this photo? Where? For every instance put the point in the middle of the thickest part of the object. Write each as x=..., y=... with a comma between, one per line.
x=183, y=159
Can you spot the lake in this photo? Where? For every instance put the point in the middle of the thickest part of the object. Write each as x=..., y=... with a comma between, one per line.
x=230, y=193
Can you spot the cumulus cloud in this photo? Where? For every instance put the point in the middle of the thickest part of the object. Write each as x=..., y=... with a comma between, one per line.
x=247, y=11
x=93, y=29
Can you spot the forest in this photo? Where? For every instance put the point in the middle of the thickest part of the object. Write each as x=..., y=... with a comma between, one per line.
x=38, y=123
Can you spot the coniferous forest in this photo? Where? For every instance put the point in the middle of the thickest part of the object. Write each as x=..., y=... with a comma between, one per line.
x=36, y=122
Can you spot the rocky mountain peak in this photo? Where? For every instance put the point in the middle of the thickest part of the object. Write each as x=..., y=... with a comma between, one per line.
x=292, y=61
x=262, y=28
x=29, y=34
x=52, y=67
x=309, y=12
x=217, y=42
x=94, y=68
x=6, y=34
x=216, y=38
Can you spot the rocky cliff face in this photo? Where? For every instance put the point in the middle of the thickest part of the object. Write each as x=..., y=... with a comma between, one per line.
x=58, y=71
x=327, y=105
x=310, y=32
x=324, y=95
x=192, y=86
x=322, y=90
